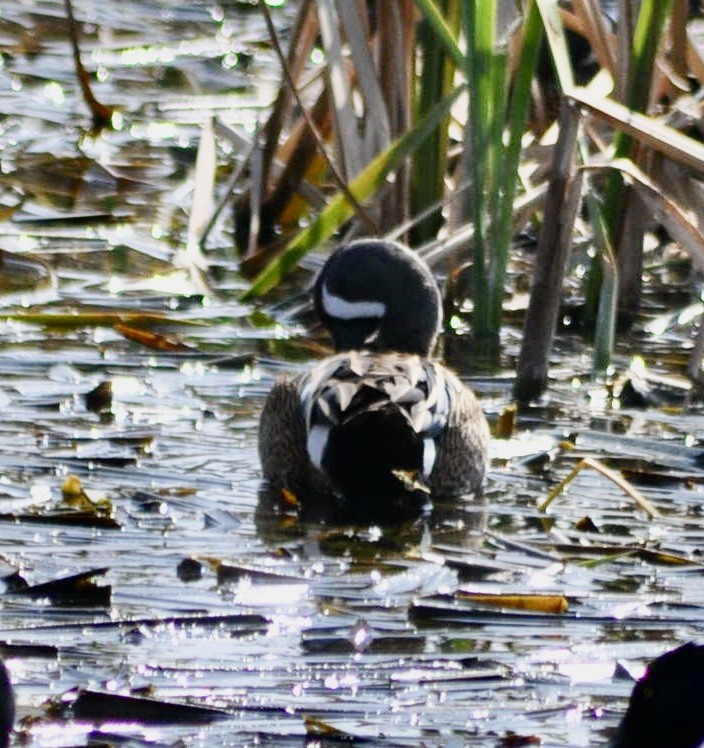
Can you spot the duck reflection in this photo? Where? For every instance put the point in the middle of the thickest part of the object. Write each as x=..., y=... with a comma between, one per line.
x=458, y=522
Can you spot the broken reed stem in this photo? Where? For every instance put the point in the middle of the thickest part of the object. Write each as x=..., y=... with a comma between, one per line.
x=647, y=130
x=342, y=185
x=232, y=182
x=256, y=190
x=694, y=366
x=538, y=603
x=612, y=475
x=101, y=113
x=302, y=40
x=561, y=204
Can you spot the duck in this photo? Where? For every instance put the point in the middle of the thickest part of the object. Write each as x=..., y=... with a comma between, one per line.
x=378, y=424
x=666, y=707
x=7, y=706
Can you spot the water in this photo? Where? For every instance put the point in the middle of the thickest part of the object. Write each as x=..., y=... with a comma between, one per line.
x=199, y=592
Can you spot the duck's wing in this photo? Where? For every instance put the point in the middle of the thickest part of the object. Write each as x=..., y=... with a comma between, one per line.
x=463, y=445
x=282, y=437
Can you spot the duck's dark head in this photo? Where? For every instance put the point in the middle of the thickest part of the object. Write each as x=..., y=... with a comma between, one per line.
x=7, y=706
x=378, y=295
x=667, y=704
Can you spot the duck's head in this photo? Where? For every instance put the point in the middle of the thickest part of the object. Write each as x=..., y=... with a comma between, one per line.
x=7, y=706
x=667, y=704
x=379, y=295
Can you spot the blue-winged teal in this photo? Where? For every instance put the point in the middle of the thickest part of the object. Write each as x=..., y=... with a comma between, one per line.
x=378, y=421
x=666, y=709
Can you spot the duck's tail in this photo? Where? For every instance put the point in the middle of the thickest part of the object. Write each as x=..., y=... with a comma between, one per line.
x=375, y=455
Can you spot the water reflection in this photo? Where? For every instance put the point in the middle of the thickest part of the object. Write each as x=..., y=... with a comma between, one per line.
x=459, y=522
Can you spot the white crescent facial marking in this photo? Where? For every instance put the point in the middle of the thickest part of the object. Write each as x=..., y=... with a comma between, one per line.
x=336, y=306
x=428, y=457
x=317, y=441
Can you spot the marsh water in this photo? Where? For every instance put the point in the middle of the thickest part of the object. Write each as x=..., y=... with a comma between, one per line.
x=151, y=595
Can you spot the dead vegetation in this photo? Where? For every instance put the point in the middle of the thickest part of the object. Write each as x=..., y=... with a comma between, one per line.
x=389, y=113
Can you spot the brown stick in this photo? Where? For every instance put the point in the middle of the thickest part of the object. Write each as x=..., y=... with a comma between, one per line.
x=549, y=263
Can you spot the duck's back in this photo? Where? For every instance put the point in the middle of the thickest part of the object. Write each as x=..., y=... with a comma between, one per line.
x=366, y=425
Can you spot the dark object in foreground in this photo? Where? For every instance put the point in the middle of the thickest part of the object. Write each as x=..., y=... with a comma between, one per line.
x=7, y=706
x=377, y=425
x=100, y=706
x=666, y=709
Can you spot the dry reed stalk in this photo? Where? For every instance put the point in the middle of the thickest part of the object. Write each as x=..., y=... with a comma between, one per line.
x=302, y=40
x=626, y=29
x=694, y=57
x=395, y=46
x=101, y=113
x=594, y=26
x=550, y=261
x=647, y=130
x=678, y=38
